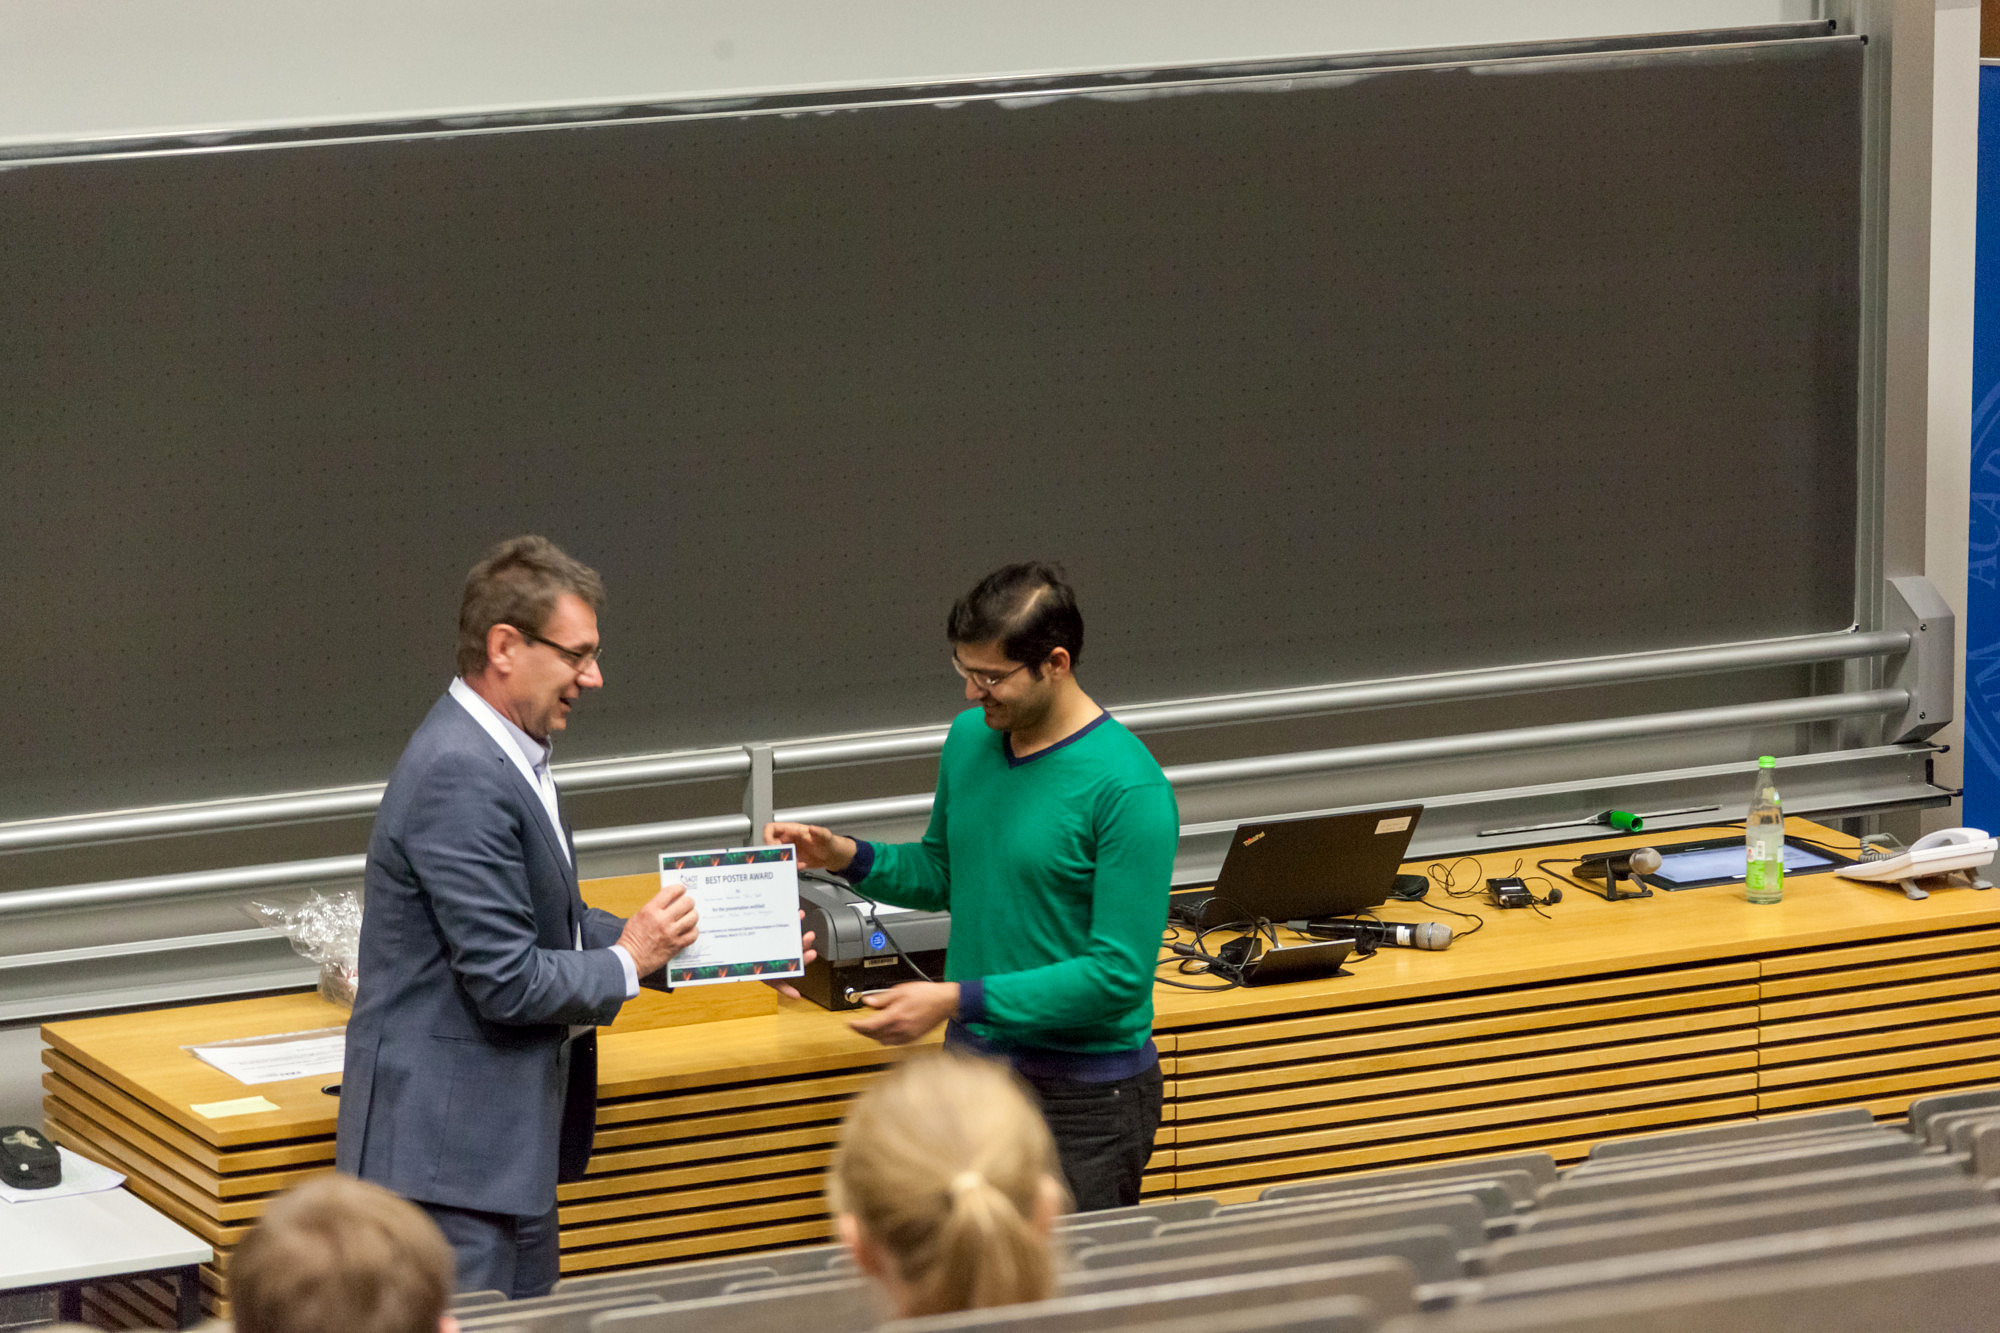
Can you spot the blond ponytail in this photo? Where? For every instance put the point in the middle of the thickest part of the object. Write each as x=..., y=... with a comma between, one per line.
x=947, y=1169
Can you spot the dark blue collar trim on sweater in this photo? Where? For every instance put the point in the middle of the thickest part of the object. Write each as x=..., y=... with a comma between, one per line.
x=1007, y=742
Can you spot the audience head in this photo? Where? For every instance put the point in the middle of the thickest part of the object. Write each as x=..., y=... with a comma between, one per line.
x=339, y=1255
x=945, y=1186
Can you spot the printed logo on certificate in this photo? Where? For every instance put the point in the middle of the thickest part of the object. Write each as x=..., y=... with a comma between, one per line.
x=748, y=898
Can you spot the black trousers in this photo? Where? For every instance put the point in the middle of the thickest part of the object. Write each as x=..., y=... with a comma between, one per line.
x=1104, y=1134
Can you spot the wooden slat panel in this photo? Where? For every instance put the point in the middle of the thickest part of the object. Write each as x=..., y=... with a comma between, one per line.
x=1611, y=990
x=1514, y=1098
x=136, y=1303
x=631, y=1159
x=73, y=1104
x=598, y=1185
x=736, y=1097
x=1466, y=1068
x=1856, y=955
x=114, y=1305
x=1908, y=1084
x=1494, y=1138
x=222, y=1162
x=1309, y=1141
x=218, y=1235
x=1512, y=1032
x=1894, y=1109
x=1882, y=974
x=1918, y=1044
x=1880, y=1062
x=671, y=1130
x=1886, y=1020
x=688, y=1247
x=191, y=1182
x=689, y=1200
x=102, y=1143
x=1565, y=1151
x=643, y=1227
x=157, y=1297
x=1875, y=997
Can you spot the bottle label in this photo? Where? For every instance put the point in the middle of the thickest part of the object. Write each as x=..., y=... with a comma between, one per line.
x=1765, y=881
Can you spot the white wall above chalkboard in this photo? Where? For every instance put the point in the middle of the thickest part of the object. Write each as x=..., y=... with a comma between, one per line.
x=87, y=68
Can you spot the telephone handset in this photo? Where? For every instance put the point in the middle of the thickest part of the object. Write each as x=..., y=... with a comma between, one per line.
x=1946, y=852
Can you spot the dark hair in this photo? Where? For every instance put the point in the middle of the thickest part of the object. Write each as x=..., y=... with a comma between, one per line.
x=517, y=584
x=1029, y=608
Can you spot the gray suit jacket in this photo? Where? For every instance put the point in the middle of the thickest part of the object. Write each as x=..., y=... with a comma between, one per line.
x=461, y=1086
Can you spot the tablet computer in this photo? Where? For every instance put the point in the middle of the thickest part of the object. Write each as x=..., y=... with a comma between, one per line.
x=1695, y=865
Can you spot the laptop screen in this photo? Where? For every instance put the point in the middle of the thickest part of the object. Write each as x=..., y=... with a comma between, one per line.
x=1318, y=866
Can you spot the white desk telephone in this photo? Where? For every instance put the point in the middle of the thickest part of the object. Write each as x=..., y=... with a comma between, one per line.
x=1952, y=851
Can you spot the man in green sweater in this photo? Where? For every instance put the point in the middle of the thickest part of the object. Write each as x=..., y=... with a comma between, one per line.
x=1051, y=842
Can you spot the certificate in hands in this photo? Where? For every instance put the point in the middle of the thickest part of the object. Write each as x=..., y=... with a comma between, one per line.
x=748, y=898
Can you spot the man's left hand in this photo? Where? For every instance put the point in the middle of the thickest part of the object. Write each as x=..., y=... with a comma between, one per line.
x=807, y=954
x=905, y=1013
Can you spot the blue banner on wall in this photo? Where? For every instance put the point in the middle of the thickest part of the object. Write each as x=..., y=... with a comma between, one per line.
x=1982, y=611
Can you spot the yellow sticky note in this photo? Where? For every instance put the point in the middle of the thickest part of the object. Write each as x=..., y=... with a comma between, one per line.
x=241, y=1106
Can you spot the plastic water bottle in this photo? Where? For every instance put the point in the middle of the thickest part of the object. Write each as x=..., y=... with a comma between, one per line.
x=1764, y=837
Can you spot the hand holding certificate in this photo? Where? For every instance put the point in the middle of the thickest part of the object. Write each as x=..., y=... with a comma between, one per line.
x=748, y=899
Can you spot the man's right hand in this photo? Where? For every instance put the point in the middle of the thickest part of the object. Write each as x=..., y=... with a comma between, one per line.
x=660, y=929
x=819, y=849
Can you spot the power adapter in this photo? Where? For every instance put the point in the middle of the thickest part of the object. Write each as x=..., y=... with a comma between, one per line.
x=1240, y=952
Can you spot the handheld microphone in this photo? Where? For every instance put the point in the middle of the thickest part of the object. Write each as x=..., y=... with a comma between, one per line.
x=1402, y=934
x=1611, y=867
x=1638, y=861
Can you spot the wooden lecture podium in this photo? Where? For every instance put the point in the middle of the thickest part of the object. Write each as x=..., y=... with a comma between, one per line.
x=718, y=1109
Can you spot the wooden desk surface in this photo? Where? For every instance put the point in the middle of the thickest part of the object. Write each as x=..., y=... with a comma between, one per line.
x=142, y=1052
x=1539, y=1031
x=1585, y=934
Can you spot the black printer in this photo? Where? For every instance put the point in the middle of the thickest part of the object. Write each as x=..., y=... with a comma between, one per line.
x=861, y=944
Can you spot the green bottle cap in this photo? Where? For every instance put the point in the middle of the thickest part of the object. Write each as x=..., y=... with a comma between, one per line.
x=1767, y=762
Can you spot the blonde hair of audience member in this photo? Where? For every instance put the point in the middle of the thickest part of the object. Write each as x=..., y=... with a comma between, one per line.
x=339, y=1255
x=946, y=1185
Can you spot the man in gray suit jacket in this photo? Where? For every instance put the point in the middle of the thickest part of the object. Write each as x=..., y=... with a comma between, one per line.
x=470, y=1085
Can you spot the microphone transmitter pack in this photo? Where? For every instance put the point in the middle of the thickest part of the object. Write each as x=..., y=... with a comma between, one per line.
x=1510, y=892
x=28, y=1161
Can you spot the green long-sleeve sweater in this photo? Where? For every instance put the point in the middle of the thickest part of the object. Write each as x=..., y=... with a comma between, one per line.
x=1055, y=869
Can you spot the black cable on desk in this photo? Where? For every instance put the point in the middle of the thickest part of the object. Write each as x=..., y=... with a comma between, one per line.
x=1198, y=958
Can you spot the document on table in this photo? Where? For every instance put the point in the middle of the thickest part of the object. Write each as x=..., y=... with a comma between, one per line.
x=274, y=1059
x=748, y=898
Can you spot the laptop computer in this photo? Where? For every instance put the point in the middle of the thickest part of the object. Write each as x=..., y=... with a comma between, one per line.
x=1303, y=869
